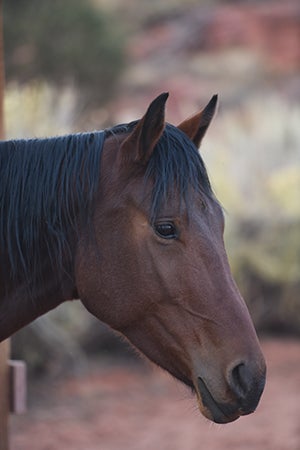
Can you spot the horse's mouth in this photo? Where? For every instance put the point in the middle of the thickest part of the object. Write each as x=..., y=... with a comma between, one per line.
x=219, y=413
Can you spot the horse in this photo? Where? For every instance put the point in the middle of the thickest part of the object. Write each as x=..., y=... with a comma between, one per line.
x=125, y=219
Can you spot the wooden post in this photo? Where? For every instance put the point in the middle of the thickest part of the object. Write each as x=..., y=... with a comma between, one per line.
x=4, y=346
x=17, y=387
x=4, y=394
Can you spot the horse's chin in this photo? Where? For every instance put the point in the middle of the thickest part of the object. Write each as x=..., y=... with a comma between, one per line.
x=218, y=413
x=215, y=414
x=209, y=408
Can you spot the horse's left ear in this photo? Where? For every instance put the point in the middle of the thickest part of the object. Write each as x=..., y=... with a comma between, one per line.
x=139, y=145
x=195, y=127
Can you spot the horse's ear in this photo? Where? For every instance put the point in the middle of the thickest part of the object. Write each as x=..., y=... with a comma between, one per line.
x=195, y=127
x=139, y=145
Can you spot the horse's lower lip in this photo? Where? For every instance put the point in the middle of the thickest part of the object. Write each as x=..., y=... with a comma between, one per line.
x=220, y=414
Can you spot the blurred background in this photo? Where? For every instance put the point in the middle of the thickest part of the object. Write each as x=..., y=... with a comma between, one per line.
x=79, y=65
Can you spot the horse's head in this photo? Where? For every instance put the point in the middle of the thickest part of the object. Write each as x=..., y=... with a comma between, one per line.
x=156, y=270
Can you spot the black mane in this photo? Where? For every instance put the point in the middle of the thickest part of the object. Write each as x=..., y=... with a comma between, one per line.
x=47, y=187
x=47, y=190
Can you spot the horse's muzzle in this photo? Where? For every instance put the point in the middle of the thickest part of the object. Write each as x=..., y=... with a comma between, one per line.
x=245, y=390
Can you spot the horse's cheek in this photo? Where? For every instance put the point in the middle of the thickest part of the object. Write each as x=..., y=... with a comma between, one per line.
x=100, y=282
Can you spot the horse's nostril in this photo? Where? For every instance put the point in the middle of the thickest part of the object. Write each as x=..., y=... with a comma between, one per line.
x=241, y=381
x=247, y=383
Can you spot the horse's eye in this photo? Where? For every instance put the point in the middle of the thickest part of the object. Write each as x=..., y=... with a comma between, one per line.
x=166, y=230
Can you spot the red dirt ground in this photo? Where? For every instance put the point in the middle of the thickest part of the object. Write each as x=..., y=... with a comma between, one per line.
x=121, y=407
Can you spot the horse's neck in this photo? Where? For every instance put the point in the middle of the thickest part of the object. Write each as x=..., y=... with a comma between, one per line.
x=18, y=308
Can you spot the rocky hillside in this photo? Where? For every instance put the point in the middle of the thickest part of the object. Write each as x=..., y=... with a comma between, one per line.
x=240, y=50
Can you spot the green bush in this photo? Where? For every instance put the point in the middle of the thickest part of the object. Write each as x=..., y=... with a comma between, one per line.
x=62, y=42
x=265, y=260
x=254, y=162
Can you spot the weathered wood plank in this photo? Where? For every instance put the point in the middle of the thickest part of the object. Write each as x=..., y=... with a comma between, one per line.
x=18, y=387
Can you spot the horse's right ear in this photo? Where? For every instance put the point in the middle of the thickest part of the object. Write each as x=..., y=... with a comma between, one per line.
x=139, y=145
x=195, y=127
